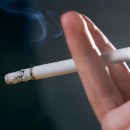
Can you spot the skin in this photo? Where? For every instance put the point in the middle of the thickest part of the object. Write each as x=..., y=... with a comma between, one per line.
x=107, y=88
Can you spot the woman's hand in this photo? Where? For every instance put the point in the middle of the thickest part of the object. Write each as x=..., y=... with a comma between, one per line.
x=107, y=88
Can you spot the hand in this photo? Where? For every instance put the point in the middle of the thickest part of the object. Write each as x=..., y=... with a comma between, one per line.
x=107, y=88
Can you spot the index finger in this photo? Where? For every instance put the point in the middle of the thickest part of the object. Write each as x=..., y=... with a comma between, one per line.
x=100, y=89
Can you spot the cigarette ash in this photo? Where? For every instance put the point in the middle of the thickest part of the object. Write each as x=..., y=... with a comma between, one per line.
x=19, y=76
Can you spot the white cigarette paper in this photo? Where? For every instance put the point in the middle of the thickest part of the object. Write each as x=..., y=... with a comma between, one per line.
x=62, y=67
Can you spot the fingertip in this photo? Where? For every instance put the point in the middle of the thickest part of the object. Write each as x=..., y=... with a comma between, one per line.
x=68, y=16
x=72, y=22
x=90, y=24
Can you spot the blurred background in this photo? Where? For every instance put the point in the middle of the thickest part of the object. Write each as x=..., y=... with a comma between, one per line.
x=30, y=34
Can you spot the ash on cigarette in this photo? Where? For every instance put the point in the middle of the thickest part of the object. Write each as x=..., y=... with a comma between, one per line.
x=18, y=76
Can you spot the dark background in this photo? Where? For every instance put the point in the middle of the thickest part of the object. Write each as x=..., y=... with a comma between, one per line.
x=57, y=103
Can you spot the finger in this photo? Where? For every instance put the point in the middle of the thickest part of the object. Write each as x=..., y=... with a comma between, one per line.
x=119, y=72
x=99, y=87
x=118, y=119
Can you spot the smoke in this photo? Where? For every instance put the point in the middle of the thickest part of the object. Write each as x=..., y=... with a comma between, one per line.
x=43, y=26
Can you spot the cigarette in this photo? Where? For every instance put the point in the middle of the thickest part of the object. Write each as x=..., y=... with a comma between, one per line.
x=63, y=67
